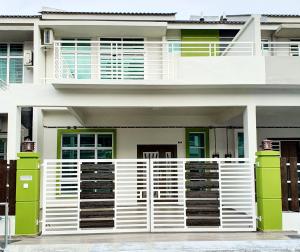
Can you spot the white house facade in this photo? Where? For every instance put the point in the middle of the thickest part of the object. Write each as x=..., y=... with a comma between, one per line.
x=153, y=94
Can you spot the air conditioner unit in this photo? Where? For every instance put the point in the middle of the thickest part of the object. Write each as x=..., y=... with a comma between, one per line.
x=28, y=58
x=48, y=37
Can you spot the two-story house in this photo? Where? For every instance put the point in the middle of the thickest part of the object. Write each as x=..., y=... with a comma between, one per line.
x=148, y=94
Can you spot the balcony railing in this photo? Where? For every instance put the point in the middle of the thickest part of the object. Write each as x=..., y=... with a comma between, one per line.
x=3, y=85
x=291, y=48
x=135, y=60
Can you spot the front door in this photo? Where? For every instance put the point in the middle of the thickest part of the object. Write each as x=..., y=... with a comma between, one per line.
x=157, y=151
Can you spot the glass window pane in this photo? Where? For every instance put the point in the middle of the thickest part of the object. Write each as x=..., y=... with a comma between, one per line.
x=84, y=47
x=84, y=66
x=69, y=140
x=197, y=152
x=87, y=154
x=104, y=140
x=87, y=140
x=104, y=154
x=241, y=145
x=3, y=49
x=196, y=139
x=16, y=70
x=69, y=154
x=67, y=46
x=3, y=70
x=2, y=145
x=16, y=50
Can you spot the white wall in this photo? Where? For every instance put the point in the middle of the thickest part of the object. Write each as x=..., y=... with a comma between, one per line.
x=291, y=221
x=221, y=70
x=250, y=32
x=28, y=71
x=277, y=71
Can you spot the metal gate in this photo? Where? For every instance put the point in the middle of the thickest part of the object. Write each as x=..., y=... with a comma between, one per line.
x=138, y=195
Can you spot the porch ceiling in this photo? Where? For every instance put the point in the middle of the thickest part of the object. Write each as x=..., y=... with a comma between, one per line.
x=148, y=116
x=161, y=111
x=16, y=35
x=278, y=116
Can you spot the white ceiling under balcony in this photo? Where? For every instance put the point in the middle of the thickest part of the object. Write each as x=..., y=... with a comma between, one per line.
x=16, y=36
x=106, y=28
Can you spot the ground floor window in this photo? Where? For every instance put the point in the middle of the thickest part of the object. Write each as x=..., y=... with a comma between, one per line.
x=3, y=143
x=239, y=144
x=197, y=142
x=85, y=144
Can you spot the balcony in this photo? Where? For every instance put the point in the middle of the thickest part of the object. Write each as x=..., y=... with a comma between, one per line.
x=143, y=63
x=282, y=62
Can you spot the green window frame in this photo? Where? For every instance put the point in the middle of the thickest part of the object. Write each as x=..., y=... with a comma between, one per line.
x=11, y=63
x=78, y=142
x=203, y=148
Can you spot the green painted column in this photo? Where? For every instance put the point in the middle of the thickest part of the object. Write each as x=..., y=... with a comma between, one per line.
x=28, y=193
x=268, y=191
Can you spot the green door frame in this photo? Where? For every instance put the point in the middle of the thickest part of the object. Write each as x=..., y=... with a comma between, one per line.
x=200, y=130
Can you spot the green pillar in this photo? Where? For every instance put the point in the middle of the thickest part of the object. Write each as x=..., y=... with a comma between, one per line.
x=28, y=194
x=268, y=191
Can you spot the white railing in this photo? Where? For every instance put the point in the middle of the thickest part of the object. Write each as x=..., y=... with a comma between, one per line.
x=3, y=85
x=133, y=60
x=281, y=48
x=140, y=195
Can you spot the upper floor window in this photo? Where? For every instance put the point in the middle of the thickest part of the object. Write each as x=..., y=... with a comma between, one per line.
x=11, y=63
x=295, y=47
x=76, y=59
x=174, y=45
x=265, y=46
x=122, y=58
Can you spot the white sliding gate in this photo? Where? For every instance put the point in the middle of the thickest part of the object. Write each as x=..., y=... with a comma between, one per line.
x=140, y=195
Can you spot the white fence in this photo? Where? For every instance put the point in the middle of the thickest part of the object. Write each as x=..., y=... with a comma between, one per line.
x=140, y=195
x=134, y=59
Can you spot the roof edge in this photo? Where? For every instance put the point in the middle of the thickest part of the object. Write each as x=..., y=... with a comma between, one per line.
x=110, y=13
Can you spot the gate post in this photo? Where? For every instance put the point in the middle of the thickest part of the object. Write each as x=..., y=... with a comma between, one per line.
x=268, y=190
x=28, y=194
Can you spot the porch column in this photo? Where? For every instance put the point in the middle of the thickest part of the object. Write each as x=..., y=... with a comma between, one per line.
x=37, y=129
x=250, y=137
x=13, y=132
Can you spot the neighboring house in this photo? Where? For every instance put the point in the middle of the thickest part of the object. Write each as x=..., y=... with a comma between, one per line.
x=146, y=86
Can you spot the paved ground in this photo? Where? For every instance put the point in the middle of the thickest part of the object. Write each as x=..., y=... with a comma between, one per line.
x=156, y=242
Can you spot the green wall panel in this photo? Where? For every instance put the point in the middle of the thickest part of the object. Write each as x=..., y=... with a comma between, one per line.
x=270, y=212
x=28, y=185
x=268, y=190
x=268, y=183
x=27, y=218
x=199, y=36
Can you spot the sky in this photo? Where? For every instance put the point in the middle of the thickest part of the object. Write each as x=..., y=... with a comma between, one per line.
x=184, y=8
